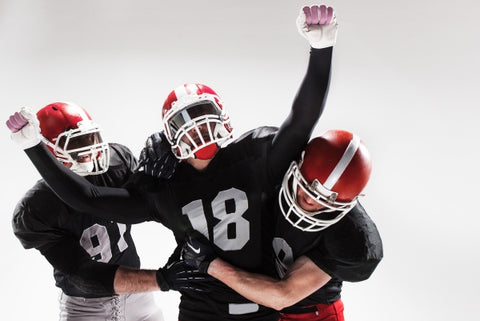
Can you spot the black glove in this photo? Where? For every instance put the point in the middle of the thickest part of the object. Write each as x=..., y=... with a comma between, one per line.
x=198, y=252
x=157, y=158
x=179, y=276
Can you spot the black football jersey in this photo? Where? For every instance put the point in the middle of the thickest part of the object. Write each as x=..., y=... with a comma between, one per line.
x=224, y=203
x=349, y=250
x=71, y=240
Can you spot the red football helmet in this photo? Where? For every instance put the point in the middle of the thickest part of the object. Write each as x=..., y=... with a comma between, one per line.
x=196, y=124
x=70, y=133
x=333, y=171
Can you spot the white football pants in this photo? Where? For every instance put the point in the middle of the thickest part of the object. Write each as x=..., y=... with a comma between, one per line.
x=124, y=307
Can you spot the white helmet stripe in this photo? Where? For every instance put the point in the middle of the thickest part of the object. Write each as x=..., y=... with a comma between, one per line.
x=83, y=114
x=343, y=162
x=180, y=91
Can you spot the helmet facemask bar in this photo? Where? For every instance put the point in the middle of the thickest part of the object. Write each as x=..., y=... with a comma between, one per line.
x=67, y=149
x=332, y=211
x=195, y=127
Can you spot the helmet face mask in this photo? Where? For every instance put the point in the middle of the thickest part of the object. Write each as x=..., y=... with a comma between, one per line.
x=330, y=211
x=192, y=114
x=327, y=182
x=75, y=144
x=74, y=139
x=195, y=122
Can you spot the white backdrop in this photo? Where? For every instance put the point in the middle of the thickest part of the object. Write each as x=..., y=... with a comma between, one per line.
x=405, y=78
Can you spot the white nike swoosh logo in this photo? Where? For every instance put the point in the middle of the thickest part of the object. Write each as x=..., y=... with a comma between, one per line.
x=194, y=249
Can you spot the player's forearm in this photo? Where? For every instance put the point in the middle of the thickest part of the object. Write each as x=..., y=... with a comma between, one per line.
x=100, y=201
x=311, y=97
x=307, y=108
x=70, y=187
x=258, y=288
x=129, y=280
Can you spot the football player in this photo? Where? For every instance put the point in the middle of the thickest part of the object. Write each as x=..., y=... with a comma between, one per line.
x=217, y=189
x=77, y=245
x=322, y=235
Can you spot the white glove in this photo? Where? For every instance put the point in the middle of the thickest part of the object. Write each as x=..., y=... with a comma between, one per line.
x=25, y=128
x=318, y=25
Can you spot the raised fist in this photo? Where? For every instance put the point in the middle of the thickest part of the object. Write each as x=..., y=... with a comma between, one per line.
x=25, y=128
x=318, y=25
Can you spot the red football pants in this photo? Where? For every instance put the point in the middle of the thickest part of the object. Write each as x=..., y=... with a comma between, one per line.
x=325, y=312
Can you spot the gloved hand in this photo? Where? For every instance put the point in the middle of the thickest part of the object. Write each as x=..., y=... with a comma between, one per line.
x=198, y=252
x=179, y=276
x=157, y=158
x=25, y=128
x=318, y=25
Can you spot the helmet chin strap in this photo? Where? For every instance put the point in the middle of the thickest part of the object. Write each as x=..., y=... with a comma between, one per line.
x=207, y=152
x=82, y=169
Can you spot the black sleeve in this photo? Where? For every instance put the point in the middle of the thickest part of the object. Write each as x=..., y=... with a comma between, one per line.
x=349, y=269
x=36, y=223
x=34, y=219
x=351, y=249
x=116, y=204
x=307, y=107
x=88, y=275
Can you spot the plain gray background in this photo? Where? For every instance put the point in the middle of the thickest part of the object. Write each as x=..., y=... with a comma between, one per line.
x=405, y=79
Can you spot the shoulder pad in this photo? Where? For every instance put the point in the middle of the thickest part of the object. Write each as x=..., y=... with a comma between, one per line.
x=121, y=155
